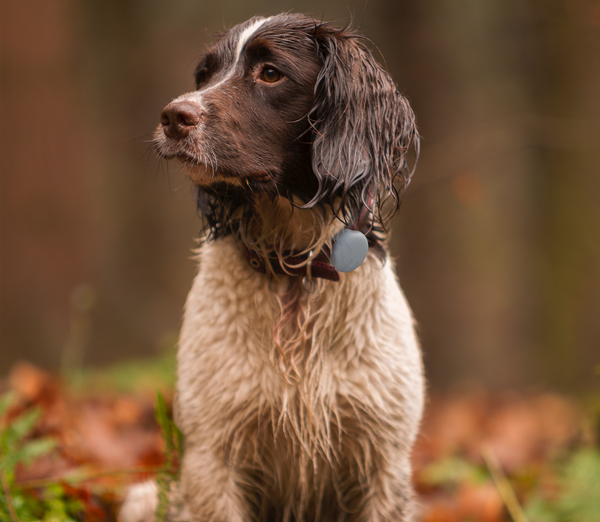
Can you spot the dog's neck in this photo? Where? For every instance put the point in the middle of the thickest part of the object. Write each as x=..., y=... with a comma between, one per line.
x=273, y=226
x=264, y=222
x=282, y=225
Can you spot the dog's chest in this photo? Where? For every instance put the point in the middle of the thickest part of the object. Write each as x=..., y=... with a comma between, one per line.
x=360, y=351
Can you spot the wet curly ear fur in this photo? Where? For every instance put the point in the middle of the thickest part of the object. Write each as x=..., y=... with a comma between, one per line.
x=362, y=128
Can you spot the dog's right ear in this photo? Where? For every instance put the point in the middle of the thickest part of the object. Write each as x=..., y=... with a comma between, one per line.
x=362, y=128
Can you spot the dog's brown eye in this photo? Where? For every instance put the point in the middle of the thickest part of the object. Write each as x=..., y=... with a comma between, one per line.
x=270, y=75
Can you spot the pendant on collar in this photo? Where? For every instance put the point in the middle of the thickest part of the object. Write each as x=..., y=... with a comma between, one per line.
x=349, y=250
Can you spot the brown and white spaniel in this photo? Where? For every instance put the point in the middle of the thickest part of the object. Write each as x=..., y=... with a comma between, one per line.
x=300, y=387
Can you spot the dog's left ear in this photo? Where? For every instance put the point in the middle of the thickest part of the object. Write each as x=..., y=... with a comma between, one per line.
x=362, y=128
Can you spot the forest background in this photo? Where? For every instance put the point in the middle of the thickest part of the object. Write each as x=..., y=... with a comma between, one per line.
x=497, y=242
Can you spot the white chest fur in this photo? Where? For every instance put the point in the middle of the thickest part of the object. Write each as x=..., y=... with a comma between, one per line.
x=362, y=349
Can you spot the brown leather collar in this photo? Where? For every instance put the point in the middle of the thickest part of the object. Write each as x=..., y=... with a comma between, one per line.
x=319, y=267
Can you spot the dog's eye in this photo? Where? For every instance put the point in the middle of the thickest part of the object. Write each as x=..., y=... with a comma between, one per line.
x=270, y=75
x=201, y=76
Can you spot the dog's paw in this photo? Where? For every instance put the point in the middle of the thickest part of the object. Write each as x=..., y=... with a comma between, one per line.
x=140, y=503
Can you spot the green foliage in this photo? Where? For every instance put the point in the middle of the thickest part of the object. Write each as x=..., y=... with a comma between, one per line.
x=574, y=495
x=453, y=471
x=173, y=450
x=129, y=376
x=52, y=504
x=578, y=500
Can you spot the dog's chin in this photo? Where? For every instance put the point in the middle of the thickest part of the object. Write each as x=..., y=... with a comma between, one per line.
x=204, y=175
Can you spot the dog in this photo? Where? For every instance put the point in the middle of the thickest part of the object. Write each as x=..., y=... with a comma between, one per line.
x=300, y=387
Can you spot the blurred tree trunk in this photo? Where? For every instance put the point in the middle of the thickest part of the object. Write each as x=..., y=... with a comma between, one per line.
x=463, y=236
x=500, y=229
x=139, y=269
x=566, y=90
x=44, y=230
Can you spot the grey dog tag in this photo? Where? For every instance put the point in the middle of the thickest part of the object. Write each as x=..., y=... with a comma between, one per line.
x=349, y=250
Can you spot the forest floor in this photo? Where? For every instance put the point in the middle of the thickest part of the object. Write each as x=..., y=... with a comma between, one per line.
x=70, y=447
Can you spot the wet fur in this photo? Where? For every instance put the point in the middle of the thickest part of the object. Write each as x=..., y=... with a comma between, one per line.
x=296, y=405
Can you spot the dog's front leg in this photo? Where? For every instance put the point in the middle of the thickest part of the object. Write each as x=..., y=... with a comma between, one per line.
x=207, y=490
x=391, y=496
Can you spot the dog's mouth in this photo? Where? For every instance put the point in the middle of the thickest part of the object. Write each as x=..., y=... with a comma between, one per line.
x=198, y=172
x=203, y=174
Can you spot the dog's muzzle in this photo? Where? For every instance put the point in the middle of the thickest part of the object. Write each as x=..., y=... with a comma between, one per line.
x=179, y=118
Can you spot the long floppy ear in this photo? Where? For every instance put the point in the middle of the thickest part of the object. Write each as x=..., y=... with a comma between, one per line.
x=362, y=129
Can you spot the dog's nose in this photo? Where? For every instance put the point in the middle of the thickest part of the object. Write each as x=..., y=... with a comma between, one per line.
x=179, y=118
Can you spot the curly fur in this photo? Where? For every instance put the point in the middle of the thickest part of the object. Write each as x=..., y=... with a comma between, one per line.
x=296, y=404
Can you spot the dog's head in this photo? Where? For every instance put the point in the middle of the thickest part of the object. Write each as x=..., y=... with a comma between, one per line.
x=290, y=108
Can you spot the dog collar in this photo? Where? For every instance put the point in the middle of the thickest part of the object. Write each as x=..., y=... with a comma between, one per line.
x=318, y=267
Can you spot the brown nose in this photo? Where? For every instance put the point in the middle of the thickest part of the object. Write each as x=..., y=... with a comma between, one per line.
x=179, y=118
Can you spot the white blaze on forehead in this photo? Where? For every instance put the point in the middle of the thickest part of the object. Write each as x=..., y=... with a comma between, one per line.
x=245, y=36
